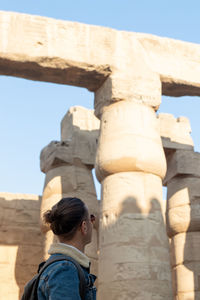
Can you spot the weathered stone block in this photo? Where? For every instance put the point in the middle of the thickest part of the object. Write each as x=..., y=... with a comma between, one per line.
x=175, y=133
x=184, y=190
x=183, y=205
x=79, y=134
x=79, y=121
x=54, y=155
x=188, y=295
x=81, y=128
x=21, y=248
x=183, y=219
x=182, y=162
x=142, y=87
x=185, y=248
x=135, y=289
x=186, y=278
x=40, y=56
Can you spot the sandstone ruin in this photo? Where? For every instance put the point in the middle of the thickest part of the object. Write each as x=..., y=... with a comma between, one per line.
x=133, y=150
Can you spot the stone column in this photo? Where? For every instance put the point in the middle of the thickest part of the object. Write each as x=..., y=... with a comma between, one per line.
x=130, y=164
x=68, y=166
x=183, y=222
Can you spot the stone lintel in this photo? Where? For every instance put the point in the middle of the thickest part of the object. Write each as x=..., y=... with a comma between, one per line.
x=84, y=55
x=177, y=62
x=56, y=70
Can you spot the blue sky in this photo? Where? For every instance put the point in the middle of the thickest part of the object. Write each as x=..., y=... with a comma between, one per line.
x=31, y=111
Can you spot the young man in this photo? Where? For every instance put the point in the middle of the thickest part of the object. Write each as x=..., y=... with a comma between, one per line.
x=69, y=219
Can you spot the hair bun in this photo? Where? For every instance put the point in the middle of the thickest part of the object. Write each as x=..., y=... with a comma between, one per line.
x=49, y=216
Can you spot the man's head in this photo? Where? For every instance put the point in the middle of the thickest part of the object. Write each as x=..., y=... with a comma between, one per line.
x=69, y=219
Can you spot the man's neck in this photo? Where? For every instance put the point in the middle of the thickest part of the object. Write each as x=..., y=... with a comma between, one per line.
x=78, y=245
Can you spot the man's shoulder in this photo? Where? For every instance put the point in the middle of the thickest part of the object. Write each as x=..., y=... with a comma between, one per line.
x=56, y=267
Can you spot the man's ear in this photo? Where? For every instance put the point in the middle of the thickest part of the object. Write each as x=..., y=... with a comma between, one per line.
x=84, y=227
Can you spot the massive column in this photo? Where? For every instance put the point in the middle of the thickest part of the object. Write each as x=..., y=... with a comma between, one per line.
x=183, y=222
x=68, y=166
x=130, y=164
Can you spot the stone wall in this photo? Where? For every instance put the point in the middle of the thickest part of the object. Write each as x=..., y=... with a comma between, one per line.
x=21, y=242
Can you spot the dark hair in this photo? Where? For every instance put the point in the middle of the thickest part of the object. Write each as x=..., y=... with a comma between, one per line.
x=65, y=216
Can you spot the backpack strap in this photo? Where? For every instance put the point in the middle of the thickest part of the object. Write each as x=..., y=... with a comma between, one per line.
x=81, y=275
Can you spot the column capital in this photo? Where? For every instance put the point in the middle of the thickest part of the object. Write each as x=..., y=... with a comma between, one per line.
x=140, y=85
x=57, y=154
x=129, y=141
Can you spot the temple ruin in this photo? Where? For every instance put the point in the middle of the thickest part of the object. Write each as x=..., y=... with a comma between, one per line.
x=143, y=248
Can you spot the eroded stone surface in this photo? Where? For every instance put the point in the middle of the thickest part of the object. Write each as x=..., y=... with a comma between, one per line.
x=175, y=133
x=44, y=54
x=132, y=237
x=21, y=242
x=185, y=248
x=126, y=145
x=80, y=128
x=55, y=154
x=183, y=225
x=79, y=121
x=183, y=162
x=79, y=138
